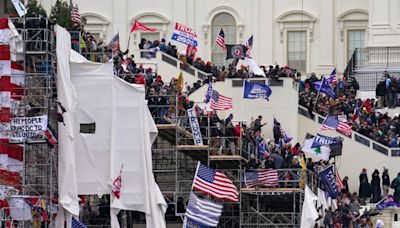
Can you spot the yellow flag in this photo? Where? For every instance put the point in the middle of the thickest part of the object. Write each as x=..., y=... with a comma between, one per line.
x=180, y=81
x=303, y=163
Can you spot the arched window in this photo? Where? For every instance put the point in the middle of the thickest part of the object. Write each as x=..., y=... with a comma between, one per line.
x=228, y=24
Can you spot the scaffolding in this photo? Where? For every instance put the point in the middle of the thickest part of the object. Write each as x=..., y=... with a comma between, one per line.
x=175, y=157
x=38, y=176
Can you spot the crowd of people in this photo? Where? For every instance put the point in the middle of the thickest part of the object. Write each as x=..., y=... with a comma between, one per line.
x=278, y=153
x=363, y=115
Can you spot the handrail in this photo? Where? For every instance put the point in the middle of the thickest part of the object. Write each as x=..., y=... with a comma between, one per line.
x=177, y=63
x=366, y=141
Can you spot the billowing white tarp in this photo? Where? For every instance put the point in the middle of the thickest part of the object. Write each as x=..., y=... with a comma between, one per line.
x=133, y=132
x=93, y=84
x=123, y=135
x=66, y=95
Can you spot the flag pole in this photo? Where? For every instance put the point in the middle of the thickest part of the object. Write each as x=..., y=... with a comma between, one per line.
x=129, y=40
x=195, y=175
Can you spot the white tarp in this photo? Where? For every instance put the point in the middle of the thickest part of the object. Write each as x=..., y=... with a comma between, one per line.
x=66, y=95
x=94, y=101
x=123, y=134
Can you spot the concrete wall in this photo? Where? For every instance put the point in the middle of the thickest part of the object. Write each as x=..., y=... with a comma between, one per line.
x=326, y=23
x=355, y=155
x=282, y=105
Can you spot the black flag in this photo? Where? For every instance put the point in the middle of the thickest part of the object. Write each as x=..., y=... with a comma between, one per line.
x=235, y=51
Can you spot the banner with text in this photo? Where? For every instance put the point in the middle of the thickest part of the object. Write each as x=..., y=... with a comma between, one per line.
x=328, y=179
x=194, y=124
x=184, y=35
x=28, y=129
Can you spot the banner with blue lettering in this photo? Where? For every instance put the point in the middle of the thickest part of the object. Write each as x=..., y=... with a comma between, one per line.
x=328, y=179
x=322, y=140
x=255, y=91
x=184, y=35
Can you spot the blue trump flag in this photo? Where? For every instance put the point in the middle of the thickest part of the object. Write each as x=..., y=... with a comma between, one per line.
x=322, y=140
x=255, y=91
x=325, y=87
x=389, y=201
x=328, y=179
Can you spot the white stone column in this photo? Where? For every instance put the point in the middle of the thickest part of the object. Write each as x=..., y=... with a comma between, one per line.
x=121, y=22
x=384, y=24
x=326, y=32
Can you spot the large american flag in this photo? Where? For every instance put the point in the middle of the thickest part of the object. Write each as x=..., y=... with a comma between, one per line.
x=263, y=177
x=220, y=40
x=219, y=102
x=331, y=123
x=339, y=182
x=217, y=184
x=249, y=45
x=202, y=211
x=75, y=16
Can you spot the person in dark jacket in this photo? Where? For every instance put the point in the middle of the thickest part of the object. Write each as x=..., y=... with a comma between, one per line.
x=381, y=94
x=385, y=182
x=257, y=124
x=364, y=189
x=346, y=185
x=277, y=132
x=375, y=187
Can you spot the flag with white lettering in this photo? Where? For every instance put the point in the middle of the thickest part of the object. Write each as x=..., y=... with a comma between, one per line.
x=323, y=140
x=328, y=179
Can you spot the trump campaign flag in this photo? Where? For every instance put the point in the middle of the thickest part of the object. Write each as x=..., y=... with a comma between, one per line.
x=185, y=35
x=255, y=91
x=322, y=140
x=324, y=86
x=328, y=179
x=320, y=152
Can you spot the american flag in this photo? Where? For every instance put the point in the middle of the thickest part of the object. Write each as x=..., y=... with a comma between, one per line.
x=339, y=182
x=331, y=123
x=219, y=102
x=264, y=177
x=217, y=184
x=77, y=224
x=202, y=211
x=75, y=16
x=249, y=45
x=114, y=44
x=333, y=77
x=220, y=40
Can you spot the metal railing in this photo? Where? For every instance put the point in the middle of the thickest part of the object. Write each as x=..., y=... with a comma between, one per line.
x=364, y=140
x=385, y=56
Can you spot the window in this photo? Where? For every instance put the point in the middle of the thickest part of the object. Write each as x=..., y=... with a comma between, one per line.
x=152, y=36
x=228, y=24
x=296, y=50
x=355, y=39
x=89, y=128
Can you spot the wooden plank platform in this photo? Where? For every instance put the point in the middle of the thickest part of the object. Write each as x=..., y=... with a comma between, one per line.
x=165, y=126
x=265, y=190
x=192, y=147
x=226, y=157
